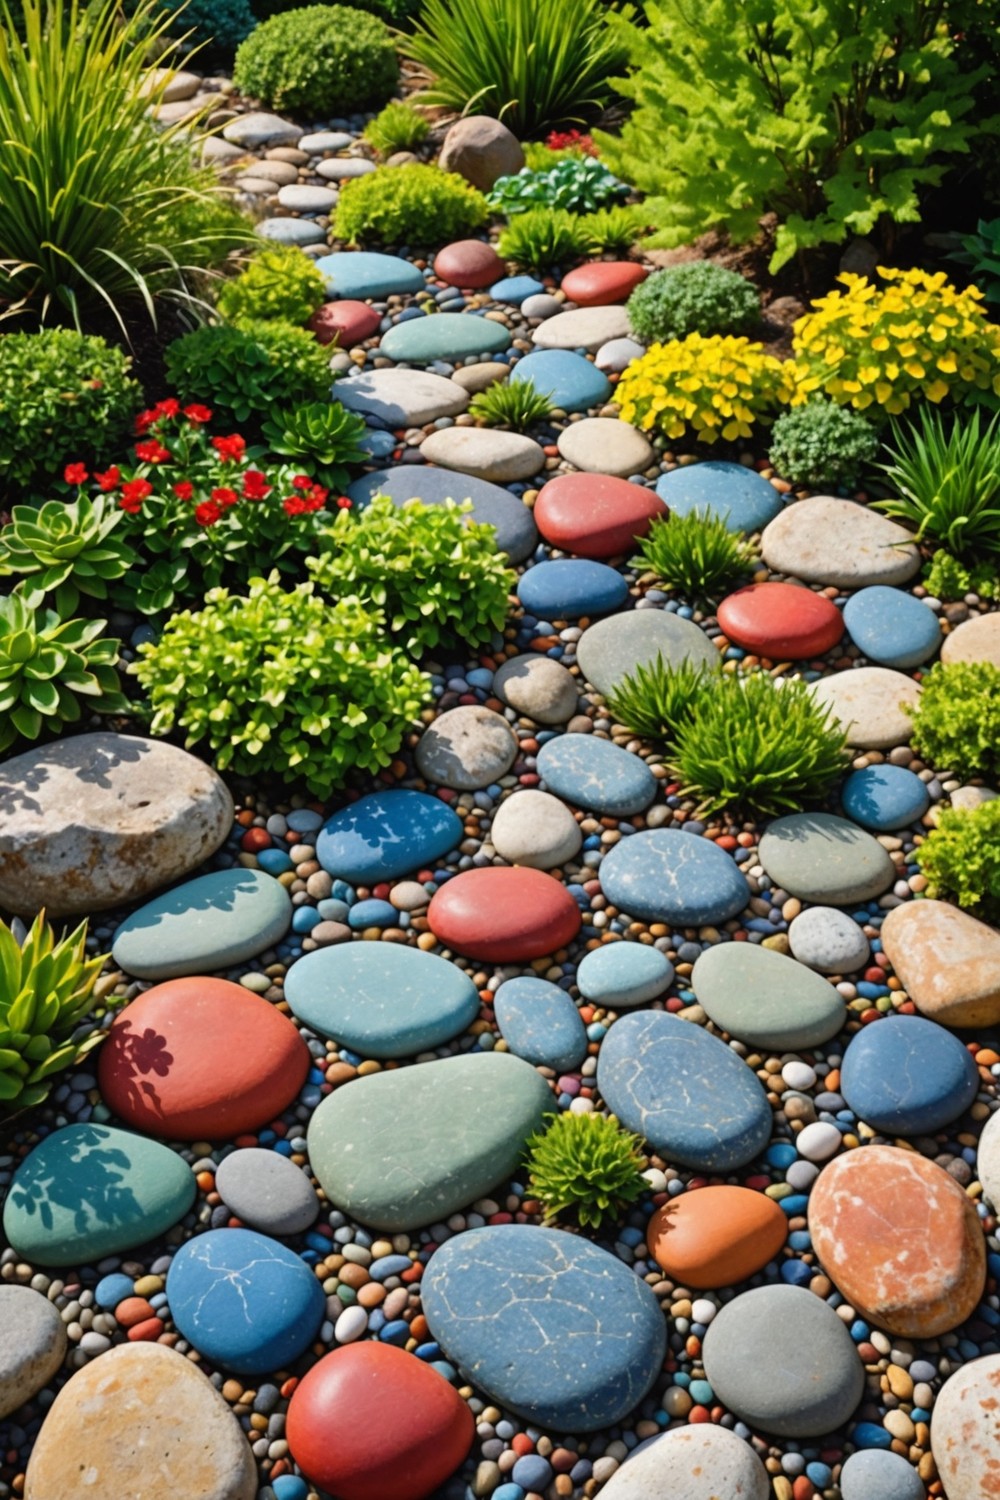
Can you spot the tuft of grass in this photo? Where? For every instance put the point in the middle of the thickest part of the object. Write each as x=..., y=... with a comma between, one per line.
x=514, y=404
x=695, y=554
x=614, y=229
x=585, y=1167
x=946, y=479
x=543, y=238
x=654, y=700
x=397, y=127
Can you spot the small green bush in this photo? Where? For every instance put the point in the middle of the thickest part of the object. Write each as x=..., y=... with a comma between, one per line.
x=944, y=577
x=414, y=205
x=945, y=475
x=544, y=238
x=321, y=435
x=580, y=184
x=613, y=229
x=696, y=554
x=822, y=445
x=283, y=682
x=280, y=283
x=654, y=700
x=699, y=297
x=585, y=1168
x=395, y=12
x=514, y=404
x=239, y=372
x=319, y=60
x=47, y=665
x=961, y=858
x=216, y=27
x=956, y=724
x=397, y=127
x=980, y=253
x=65, y=551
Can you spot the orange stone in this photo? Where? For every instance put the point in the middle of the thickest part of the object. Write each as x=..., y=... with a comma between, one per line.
x=716, y=1236
x=899, y=1239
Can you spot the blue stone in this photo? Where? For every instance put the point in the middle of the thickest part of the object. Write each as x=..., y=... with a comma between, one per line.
x=284, y=231
x=244, y=1301
x=568, y=589
x=617, y=975
x=884, y=797
x=739, y=496
x=381, y=999
x=516, y=532
x=514, y=289
x=540, y=1023
x=907, y=1076
x=204, y=925
x=111, y=1290
x=596, y=775
x=692, y=1098
x=870, y=1435
x=679, y=878
x=449, y=336
x=363, y=273
x=386, y=835
x=571, y=382
x=549, y=1325
x=289, y=1487
x=891, y=627
x=532, y=1472
x=372, y=913
x=873, y=1474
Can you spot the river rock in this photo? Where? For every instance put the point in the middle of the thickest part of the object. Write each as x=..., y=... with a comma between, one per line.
x=766, y=999
x=885, y=797
x=305, y=198
x=891, y=627
x=349, y=322
x=402, y=398
x=977, y=639
x=874, y=1474
x=988, y=1160
x=449, y=336
x=611, y=649
x=387, y=834
x=947, y=961
x=965, y=1429
x=872, y=704
x=267, y=1191
x=828, y=940
x=288, y=231
x=504, y=916
x=829, y=541
x=781, y=621
x=716, y=1236
x=360, y=274
x=603, y=445
x=259, y=130
x=596, y=775
x=595, y=515
x=622, y=974
x=540, y=1023
x=700, y=1462
x=602, y=282
x=536, y=829
x=820, y=857
x=342, y=168
x=673, y=877
x=570, y=588
x=214, y=922
x=484, y=452
x=583, y=328
x=729, y=492
x=32, y=1345
x=538, y=687
x=466, y=748
x=569, y=380
x=907, y=1076
x=468, y=263
x=516, y=532
x=481, y=149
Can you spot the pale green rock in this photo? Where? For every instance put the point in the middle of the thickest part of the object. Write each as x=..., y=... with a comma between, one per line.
x=765, y=999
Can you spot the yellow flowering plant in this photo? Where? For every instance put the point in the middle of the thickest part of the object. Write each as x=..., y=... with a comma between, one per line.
x=718, y=387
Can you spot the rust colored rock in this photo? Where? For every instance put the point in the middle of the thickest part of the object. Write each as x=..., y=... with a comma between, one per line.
x=504, y=916
x=716, y=1236
x=947, y=961
x=603, y=282
x=348, y=322
x=469, y=263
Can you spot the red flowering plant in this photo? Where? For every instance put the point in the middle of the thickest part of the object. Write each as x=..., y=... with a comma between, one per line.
x=204, y=511
x=571, y=140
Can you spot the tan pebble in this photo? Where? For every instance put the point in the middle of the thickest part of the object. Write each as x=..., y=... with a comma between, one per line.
x=900, y=1382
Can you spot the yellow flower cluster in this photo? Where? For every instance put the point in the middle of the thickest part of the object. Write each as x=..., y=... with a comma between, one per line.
x=719, y=386
x=882, y=346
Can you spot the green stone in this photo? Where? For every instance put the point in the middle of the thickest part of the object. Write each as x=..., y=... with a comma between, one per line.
x=205, y=925
x=765, y=999
x=821, y=858
x=444, y=336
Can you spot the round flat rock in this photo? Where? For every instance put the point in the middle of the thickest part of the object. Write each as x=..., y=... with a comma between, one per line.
x=716, y=1236
x=364, y=273
x=571, y=382
x=891, y=627
x=678, y=878
x=534, y=828
x=618, y=975
x=872, y=704
x=402, y=398
x=729, y=492
x=766, y=999
x=822, y=858
x=884, y=798
x=267, y=1191
x=32, y=1345
x=595, y=515
x=965, y=1429
x=540, y=1023
x=484, y=452
x=516, y=289
x=781, y=621
x=977, y=639
x=699, y=1462
x=584, y=328
x=828, y=940
x=386, y=835
x=504, y=916
x=571, y=588
x=603, y=282
x=348, y=322
x=947, y=961
x=448, y=336
x=875, y=1474
x=611, y=649
x=213, y=922
x=830, y=541
x=538, y=687
x=468, y=263
x=907, y=1076
x=604, y=445
x=466, y=748
x=596, y=775
x=516, y=532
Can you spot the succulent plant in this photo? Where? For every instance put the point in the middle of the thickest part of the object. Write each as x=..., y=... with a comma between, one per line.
x=45, y=663
x=65, y=550
x=323, y=435
x=515, y=404
x=585, y=1166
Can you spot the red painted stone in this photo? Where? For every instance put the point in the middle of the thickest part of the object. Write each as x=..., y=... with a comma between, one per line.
x=470, y=263
x=371, y=1422
x=349, y=322
x=781, y=621
x=504, y=915
x=603, y=282
x=595, y=515
x=201, y=1059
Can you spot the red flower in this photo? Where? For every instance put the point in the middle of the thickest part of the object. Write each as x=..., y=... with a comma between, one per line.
x=76, y=474
x=302, y=482
x=255, y=485
x=144, y=422
x=134, y=493
x=229, y=448
x=184, y=490
x=168, y=408
x=344, y=503
x=294, y=505
x=198, y=415
x=222, y=499
x=563, y=140
x=131, y=503
x=207, y=513
x=151, y=452
x=110, y=479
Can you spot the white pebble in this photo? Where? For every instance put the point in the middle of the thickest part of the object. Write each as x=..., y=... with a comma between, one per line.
x=818, y=1142
x=798, y=1075
x=703, y=1311
x=351, y=1324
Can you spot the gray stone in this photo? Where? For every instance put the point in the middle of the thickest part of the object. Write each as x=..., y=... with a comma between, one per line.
x=402, y=398
x=582, y=328
x=32, y=1345
x=516, y=532
x=466, y=748
x=260, y=129
x=342, y=168
x=612, y=648
x=765, y=999
x=874, y=1474
x=485, y=453
x=828, y=940
x=304, y=199
x=603, y=445
x=481, y=149
x=257, y=186
x=820, y=857
x=541, y=305
x=325, y=140
x=179, y=85
x=287, y=231
x=700, y=1462
x=968, y=798
x=215, y=149
x=617, y=354
x=267, y=1191
x=538, y=687
x=534, y=828
x=277, y=173
x=872, y=704
x=830, y=541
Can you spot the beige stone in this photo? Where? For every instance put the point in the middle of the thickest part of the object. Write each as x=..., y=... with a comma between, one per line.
x=947, y=961
x=965, y=1431
x=32, y=1345
x=481, y=149
x=583, y=328
x=977, y=639
x=831, y=541
x=475, y=378
x=535, y=829
x=700, y=1462
x=603, y=445
x=485, y=453
x=874, y=705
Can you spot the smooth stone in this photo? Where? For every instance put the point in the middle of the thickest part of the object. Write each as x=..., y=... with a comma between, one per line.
x=716, y=1236
x=820, y=857
x=267, y=1191
x=333, y=1437
x=873, y=705
x=571, y=382
x=484, y=452
x=506, y=1303
x=466, y=748
x=611, y=649
x=672, y=877
x=891, y=627
x=365, y=273
x=277, y=173
x=618, y=975
x=287, y=231
x=381, y=999
x=344, y=168
x=144, y=813
x=535, y=829
x=828, y=940
x=595, y=515
x=325, y=140
x=602, y=282
x=87, y=1191
x=448, y=336
x=261, y=185
x=766, y=999
x=243, y=1300
x=603, y=445
x=965, y=1430
x=907, y=1076
x=830, y=541
x=481, y=149
x=349, y=322
x=968, y=798
x=584, y=328
x=303, y=199
x=617, y=354
x=504, y=915
x=692, y=1098
x=875, y=1474
x=140, y=1421
x=900, y=1240
x=400, y=1149
x=700, y=1462
x=516, y=532
x=541, y=306
x=386, y=835
x=540, y=1023
x=947, y=962
x=260, y=130
x=468, y=263
x=515, y=289
x=32, y=1344
x=781, y=621
x=596, y=775
x=170, y=1069
x=479, y=377
x=884, y=798
x=987, y=1160
x=977, y=639
x=538, y=687
x=402, y=398
x=214, y=922
x=812, y=1378
x=728, y=492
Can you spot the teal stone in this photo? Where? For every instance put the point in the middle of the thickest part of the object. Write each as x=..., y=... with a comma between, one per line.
x=613, y=648
x=726, y=491
x=765, y=999
x=571, y=382
x=540, y=1023
x=825, y=859
x=891, y=627
x=211, y=923
x=364, y=273
x=287, y=231
x=596, y=775
x=448, y=336
x=401, y=1149
x=380, y=999
x=618, y=975
x=88, y=1191
x=667, y=876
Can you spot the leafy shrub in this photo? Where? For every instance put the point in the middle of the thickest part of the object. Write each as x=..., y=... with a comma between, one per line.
x=956, y=724
x=47, y=991
x=654, y=700
x=216, y=26
x=514, y=404
x=585, y=1168
x=716, y=387
x=61, y=393
x=283, y=682
x=961, y=858
x=434, y=574
x=320, y=60
x=822, y=445
x=515, y=59
x=240, y=371
x=946, y=481
x=577, y=183
x=699, y=297
x=613, y=229
x=397, y=127
x=543, y=238
x=280, y=283
x=322, y=435
x=696, y=554
x=46, y=666
x=64, y=550
x=393, y=11
x=945, y=577
x=418, y=204
x=980, y=253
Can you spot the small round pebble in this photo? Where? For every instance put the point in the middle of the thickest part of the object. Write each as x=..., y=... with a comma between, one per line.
x=828, y=940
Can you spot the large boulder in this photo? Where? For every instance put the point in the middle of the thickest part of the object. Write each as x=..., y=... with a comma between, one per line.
x=99, y=819
x=481, y=149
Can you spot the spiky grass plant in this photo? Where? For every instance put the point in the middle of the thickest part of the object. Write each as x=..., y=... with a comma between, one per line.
x=543, y=238
x=654, y=700
x=585, y=1168
x=397, y=127
x=614, y=229
x=695, y=554
x=945, y=477
x=514, y=404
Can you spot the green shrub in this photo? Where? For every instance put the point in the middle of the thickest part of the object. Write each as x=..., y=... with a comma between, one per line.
x=62, y=395
x=580, y=184
x=240, y=371
x=65, y=551
x=280, y=282
x=585, y=1168
x=961, y=859
x=414, y=205
x=980, y=254
x=393, y=11
x=216, y=27
x=514, y=404
x=544, y=238
x=944, y=577
x=318, y=60
x=283, y=682
x=695, y=554
x=956, y=724
x=654, y=700
x=699, y=297
x=945, y=478
x=434, y=574
x=613, y=229
x=822, y=445
x=46, y=666
x=321, y=435
x=397, y=127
